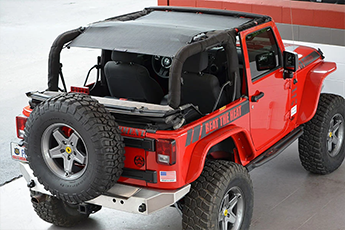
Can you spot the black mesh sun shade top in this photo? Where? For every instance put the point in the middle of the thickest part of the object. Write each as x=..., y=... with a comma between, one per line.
x=157, y=33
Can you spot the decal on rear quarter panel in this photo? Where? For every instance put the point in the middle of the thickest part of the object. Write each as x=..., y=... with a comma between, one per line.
x=217, y=122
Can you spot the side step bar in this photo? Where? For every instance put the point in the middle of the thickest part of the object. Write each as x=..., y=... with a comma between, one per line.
x=276, y=149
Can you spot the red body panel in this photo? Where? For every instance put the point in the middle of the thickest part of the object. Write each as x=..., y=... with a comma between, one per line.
x=312, y=89
x=283, y=11
x=191, y=138
x=253, y=126
x=268, y=116
x=239, y=134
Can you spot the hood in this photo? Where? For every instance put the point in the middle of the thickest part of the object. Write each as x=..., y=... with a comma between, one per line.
x=306, y=55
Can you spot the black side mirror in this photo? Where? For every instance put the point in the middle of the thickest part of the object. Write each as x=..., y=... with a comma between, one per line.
x=266, y=61
x=290, y=62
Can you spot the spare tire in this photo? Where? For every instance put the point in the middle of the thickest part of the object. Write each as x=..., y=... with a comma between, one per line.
x=74, y=147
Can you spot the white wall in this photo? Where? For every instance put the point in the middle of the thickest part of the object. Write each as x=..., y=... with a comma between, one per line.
x=335, y=82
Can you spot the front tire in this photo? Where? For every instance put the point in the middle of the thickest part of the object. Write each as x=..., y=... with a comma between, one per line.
x=221, y=198
x=322, y=147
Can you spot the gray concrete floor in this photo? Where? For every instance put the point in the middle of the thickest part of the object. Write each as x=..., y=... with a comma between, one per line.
x=27, y=30
x=286, y=196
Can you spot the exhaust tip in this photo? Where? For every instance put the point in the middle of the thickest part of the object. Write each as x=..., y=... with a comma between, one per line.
x=38, y=198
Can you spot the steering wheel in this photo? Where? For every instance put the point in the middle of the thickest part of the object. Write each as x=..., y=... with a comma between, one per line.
x=161, y=65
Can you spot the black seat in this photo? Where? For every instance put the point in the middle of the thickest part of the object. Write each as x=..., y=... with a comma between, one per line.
x=129, y=80
x=199, y=89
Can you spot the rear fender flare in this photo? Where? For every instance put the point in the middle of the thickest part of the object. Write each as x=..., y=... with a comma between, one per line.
x=312, y=89
x=241, y=138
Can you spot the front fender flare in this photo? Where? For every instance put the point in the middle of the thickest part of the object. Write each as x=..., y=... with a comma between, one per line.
x=312, y=89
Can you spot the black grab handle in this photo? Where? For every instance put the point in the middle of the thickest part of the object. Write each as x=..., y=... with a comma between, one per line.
x=258, y=97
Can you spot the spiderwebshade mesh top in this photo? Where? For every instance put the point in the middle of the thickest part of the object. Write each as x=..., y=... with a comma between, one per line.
x=157, y=33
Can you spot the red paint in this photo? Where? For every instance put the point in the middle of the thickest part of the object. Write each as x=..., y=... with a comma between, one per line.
x=182, y=3
x=311, y=93
x=253, y=126
x=163, y=2
x=131, y=154
x=134, y=132
x=303, y=13
x=27, y=111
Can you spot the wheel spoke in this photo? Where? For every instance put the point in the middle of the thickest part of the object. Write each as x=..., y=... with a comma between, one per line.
x=55, y=152
x=332, y=125
x=59, y=137
x=224, y=224
x=79, y=157
x=73, y=139
x=233, y=202
x=232, y=218
x=336, y=127
x=335, y=140
x=330, y=144
x=67, y=164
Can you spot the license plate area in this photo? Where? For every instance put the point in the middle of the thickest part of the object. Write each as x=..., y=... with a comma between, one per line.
x=18, y=152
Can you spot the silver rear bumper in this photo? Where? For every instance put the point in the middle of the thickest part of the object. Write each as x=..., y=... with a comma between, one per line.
x=123, y=197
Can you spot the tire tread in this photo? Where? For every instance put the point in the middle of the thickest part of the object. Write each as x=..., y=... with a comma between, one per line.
x=200, y=204
x=105, y=134
x=52, y=211
x=310, y=143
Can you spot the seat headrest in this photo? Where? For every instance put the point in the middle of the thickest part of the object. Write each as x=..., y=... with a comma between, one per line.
x=124, y=57
x=196, y=63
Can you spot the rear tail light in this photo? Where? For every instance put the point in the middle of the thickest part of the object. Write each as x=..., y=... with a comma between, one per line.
x=20, y=123
x=166, y=151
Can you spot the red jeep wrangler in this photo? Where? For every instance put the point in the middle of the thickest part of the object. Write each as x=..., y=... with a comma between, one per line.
x=185, y=103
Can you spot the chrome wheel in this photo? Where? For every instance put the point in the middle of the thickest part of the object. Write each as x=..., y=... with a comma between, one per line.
x=231, y=211
x=64, y=151
x=335, y=136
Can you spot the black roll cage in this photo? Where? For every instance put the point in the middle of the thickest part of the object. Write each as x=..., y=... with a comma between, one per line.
x=225, y=38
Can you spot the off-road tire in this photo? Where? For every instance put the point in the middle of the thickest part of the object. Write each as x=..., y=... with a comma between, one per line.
x=203, y=204
x=313, y=144
x=93, y=128
x=58, y=212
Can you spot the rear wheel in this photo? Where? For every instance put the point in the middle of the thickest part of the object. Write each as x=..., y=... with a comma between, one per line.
x=221, y=198
x=322, y=147
x=56, y=211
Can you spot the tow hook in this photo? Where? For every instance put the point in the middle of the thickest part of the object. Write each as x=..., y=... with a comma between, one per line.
x=88, y=209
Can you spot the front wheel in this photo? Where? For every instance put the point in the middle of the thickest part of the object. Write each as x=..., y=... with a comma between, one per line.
x=322, y=146
x=221, y=198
